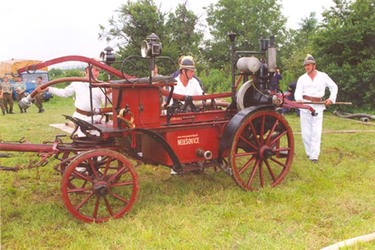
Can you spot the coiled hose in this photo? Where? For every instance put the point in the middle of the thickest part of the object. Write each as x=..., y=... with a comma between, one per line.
x=361, y=116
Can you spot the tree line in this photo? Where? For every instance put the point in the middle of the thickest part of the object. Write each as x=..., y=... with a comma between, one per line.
x=342, y=43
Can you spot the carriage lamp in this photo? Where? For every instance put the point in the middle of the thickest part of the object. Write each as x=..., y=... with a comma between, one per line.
x=151, y=46
x=107, y=56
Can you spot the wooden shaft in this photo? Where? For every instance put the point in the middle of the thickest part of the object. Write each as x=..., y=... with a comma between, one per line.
x=336, y=103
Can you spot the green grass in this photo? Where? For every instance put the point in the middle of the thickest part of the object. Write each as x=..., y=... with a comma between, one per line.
x=315, y=206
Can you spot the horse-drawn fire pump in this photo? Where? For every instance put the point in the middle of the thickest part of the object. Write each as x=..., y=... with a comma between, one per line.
x=245, y=137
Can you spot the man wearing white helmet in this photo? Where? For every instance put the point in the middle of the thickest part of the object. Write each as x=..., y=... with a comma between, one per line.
x=311, y=87
x=187, y=84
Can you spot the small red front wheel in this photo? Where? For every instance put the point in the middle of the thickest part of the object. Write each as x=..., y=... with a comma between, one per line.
x=99, y=185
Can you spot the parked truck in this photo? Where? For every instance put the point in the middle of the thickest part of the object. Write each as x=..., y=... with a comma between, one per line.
x=9, y=68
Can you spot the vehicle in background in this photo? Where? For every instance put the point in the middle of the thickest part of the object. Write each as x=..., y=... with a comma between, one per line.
x=9, y=68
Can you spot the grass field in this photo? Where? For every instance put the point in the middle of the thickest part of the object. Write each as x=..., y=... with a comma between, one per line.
x=315, y=206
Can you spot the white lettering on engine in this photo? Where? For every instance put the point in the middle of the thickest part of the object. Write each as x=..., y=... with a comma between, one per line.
x=187, y=140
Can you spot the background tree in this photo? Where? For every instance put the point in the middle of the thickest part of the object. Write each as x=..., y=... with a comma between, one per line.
x=136, y=20
x=250, y=20
x=183, y=36
x=183, y=31
x=294, y=50
x=344, y=47
x=55, y=73
x=343, y=43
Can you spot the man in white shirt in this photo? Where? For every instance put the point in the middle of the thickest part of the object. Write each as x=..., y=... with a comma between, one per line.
x=187, y=84
x=82, y=102
x=311, y=87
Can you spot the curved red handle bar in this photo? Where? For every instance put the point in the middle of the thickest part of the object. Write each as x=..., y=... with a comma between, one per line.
x=91, y=61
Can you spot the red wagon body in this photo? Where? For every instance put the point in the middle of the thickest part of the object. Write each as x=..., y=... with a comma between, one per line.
x=246, y=137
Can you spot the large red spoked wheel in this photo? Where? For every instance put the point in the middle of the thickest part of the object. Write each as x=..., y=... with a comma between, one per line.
x=262, y=150
x=99, y=185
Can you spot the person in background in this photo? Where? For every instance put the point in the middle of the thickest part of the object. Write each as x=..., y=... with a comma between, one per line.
x=39, y=97
x=311, y=87
x=7, y=95
x=20, y=88
x=155, y=71
x=274, y=83
x=82, y=103
x=1, y=100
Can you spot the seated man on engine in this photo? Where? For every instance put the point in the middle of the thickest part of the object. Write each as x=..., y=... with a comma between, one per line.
x=187, y=84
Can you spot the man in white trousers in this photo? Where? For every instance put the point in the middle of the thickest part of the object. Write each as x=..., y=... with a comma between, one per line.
x=311, y=87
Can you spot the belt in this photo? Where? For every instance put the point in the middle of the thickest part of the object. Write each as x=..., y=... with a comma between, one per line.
x=82, y=112
x=311, y=98
x=5, y=93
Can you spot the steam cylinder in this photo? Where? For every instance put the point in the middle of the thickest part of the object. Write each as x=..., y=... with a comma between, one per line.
x=272, y=59
x=248, y=64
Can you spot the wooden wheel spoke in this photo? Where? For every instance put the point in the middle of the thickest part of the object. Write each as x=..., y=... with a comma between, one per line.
x=117, y=174
x=123, y=184
x=249, y=142
x=108, y=206
x=277, y=138
x=253, y=130
x=96, y=208
x=74, y=188
x=107, y=166
x=262, y=126
x=246, y=165
x=93, y=169
x=126, y=201
x=281, y=150
x=83, y=202
x=261, y=174
x=271, y=131
x=253, y=172
x=79, y=190
x=270, y=170
x=244, y=154
x=283, y=165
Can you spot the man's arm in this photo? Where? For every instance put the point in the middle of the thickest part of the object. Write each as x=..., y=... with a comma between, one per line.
x=298, y=92
x=333, y=89
x=66, y=92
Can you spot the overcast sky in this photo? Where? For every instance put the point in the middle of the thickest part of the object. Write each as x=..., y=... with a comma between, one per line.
x=43, y=30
